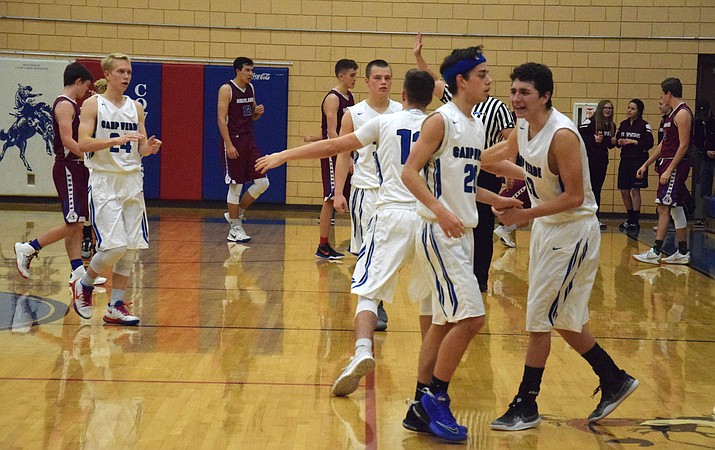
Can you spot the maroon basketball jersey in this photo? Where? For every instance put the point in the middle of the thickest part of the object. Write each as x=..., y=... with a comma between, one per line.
x=671, y=140
x=344, y=103
x=62, y=154
x=240, y=109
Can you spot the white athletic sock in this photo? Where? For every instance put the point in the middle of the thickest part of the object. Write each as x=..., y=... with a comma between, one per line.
x=363, y=345
x=117, y=296
x=510, y=228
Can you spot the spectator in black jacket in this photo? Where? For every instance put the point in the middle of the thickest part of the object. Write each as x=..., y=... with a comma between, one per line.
x=635, y=139
x=599, y=134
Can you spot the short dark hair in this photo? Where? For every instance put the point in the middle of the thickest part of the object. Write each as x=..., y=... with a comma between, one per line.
x=639, y=104
x=241, y=61
x=419, y=86
x=672, y=85
x=381, y=63
x=74, y=71
x=539, y=75
x=453, y=58
x=345, y=64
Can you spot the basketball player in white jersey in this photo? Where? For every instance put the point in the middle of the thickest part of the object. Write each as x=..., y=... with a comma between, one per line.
x=390, y=237
x=113, y=138
x=364, y=181
x=565, y=244
x=441, y=172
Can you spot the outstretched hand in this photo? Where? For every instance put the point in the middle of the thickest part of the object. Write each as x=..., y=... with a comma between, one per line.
x=417, y=48
x=264, y=163
x=152, y=145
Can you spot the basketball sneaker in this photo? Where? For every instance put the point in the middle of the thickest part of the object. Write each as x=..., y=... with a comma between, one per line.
x=120, y=315
x=416, y=418
x=612, y=396
x=24, y=252
x=81, y=296
x=237, y=234
x=520, y=416
x=504, y=236
x=441, y=421
x=677, y=258
x=325, y=251
x=348, y=381
x=602, y=226
x=649, y=257
x=381, y=318
x=79, y=271
x=87, y=248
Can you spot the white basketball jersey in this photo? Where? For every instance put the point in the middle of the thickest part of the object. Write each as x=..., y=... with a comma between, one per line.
x=113, y=122
x=542, y=184
x=394, y=135
x=451, y=173
x=364, y=170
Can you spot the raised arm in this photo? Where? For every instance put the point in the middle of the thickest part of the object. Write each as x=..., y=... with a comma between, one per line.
x=422, y=65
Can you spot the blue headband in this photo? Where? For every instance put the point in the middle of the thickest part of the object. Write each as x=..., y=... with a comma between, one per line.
x=463, y=66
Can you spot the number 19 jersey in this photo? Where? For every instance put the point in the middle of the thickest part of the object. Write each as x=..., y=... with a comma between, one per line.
x=393, y=135
x=112, y=122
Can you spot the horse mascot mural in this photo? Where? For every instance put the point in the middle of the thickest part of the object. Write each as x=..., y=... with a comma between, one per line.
x=30, y=119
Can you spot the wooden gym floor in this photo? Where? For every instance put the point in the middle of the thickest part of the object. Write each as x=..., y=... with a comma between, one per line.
x=239, y=345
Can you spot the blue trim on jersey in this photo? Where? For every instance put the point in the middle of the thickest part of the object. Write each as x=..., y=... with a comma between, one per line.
x=145, y=228
x=370, y=252
x=440, y=294
x=445, y=274
x=356, y=212
x=574, y=264
x=437, y=179
x=91, y=214
x=377, y=166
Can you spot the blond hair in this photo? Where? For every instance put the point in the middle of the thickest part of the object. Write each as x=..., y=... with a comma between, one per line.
x=100, y=86
x=108, y=61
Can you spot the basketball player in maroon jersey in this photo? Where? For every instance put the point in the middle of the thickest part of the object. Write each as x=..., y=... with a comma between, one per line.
x=69, y=174
x=334, y=105
x=237, y=109
x=672, y=168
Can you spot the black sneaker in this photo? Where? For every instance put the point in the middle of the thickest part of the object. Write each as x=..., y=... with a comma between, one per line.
x=612, y=396
x=381, y=318
x=633, y=228
x=602, y=226
x=325, y=251
x=416, y=418
x=699, y=224
x=521, y=415
x=624, y=226
x=87, y=248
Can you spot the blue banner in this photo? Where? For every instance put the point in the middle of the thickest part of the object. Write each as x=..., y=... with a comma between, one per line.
x=146, y=89
x=271, y=130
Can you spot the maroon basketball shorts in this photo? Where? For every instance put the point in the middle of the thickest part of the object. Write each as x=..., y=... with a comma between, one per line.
x=242, y=169
x=674, y=192
x=71, y=180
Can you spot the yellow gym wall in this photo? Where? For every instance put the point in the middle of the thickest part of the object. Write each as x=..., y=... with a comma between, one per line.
x=606, y=49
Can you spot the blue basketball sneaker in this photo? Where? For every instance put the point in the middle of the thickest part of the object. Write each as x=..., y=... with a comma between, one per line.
x=442, y=423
